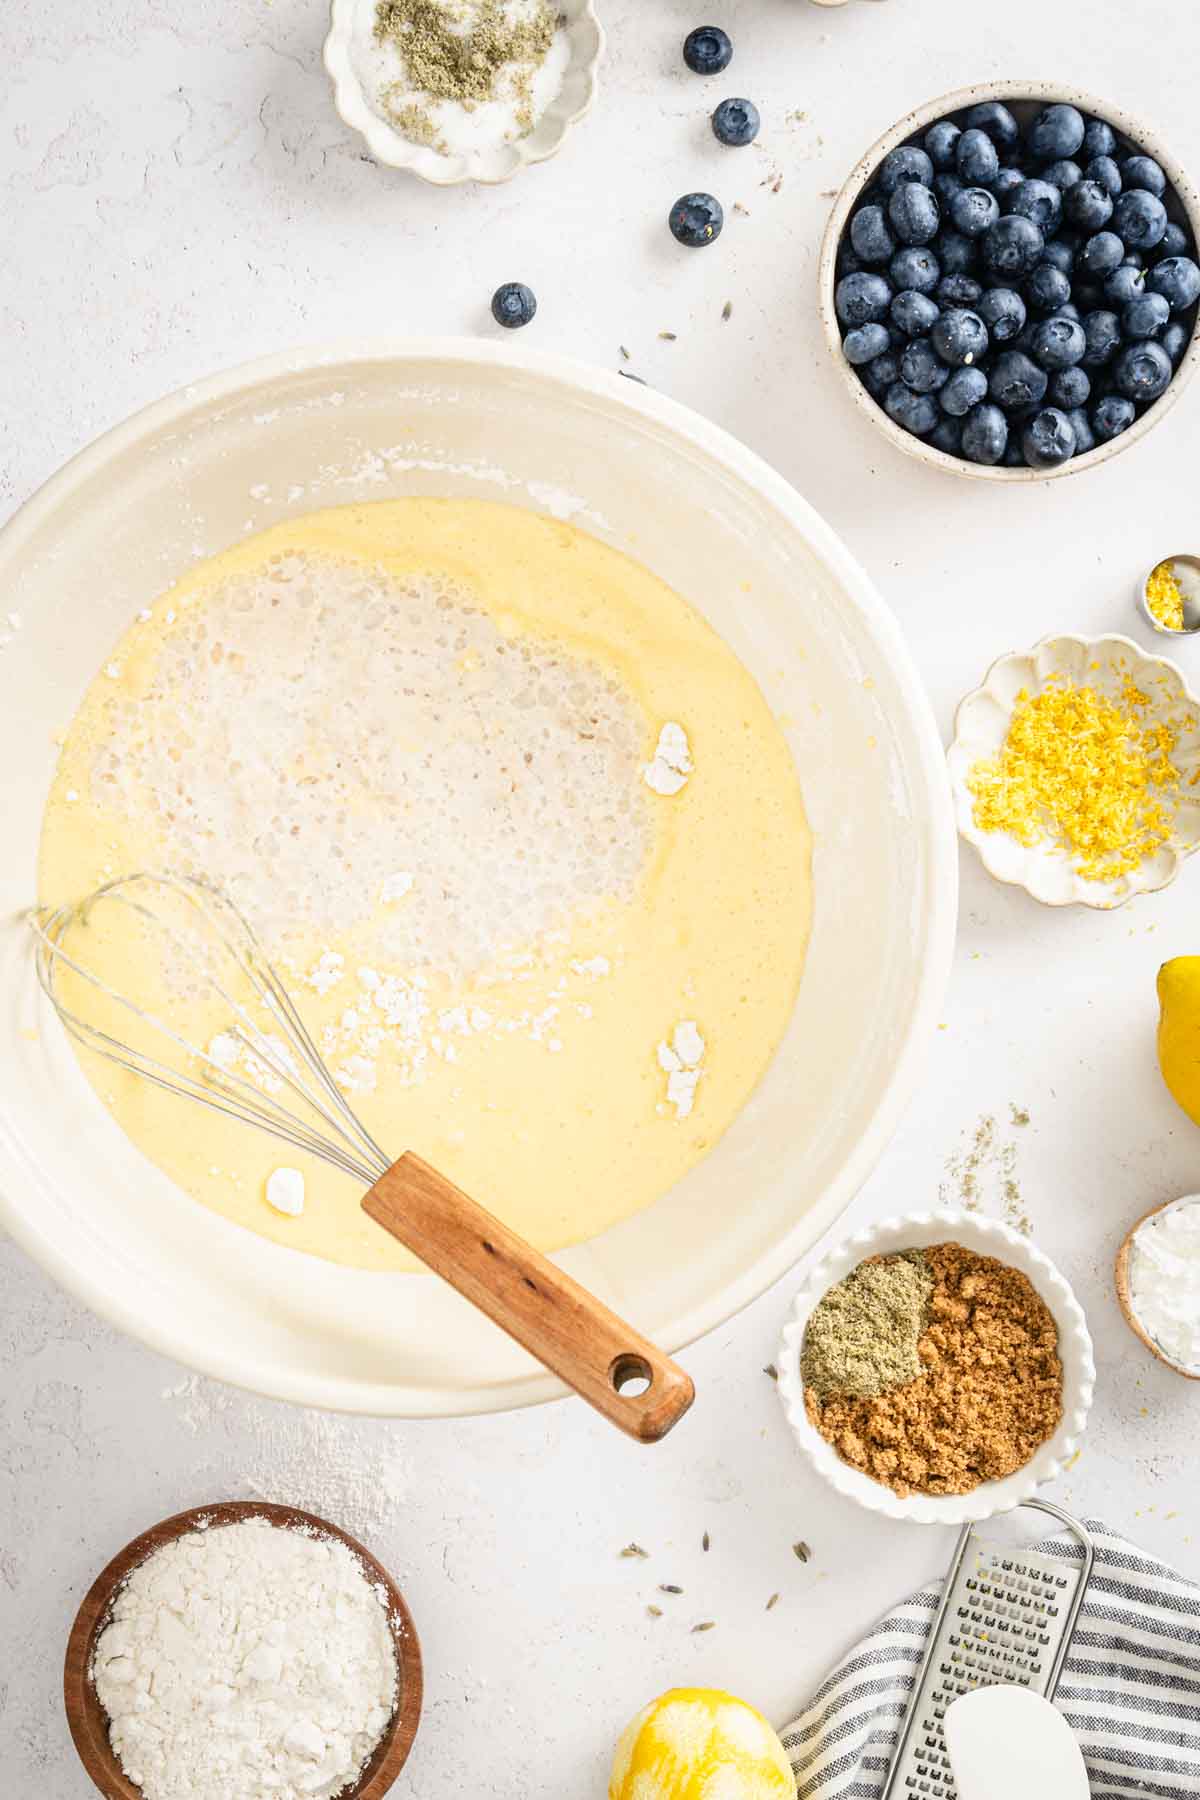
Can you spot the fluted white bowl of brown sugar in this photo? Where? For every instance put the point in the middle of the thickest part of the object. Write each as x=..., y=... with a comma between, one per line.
x=986, y=1237
x=981, y=726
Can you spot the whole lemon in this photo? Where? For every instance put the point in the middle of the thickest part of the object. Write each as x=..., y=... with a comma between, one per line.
x=1179, y=1031
x=700, y=1744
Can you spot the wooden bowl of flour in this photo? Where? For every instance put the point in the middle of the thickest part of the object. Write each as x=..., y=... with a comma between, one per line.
x=88, y=1721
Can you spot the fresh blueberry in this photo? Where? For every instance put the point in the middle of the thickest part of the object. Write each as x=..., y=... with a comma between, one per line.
x=1088, y=296
x=1102, y=254
x=1060, y=252
x=848, y=260
x=1133, y=258
x=1048, y=439
x=1145, y=316
x=870, y=236
x=976, y=159
x=994, y=118
x=707, y=50
x=1003, y=312
x=1099, y=139
x=960, y=337
x=865, y=343
x=1048, y=288
x=914, y=314
x=947, y=435
x=1105, y=173
x=1142, y=371
x=955, y=252
x=1014, y=456
x=1175, y=340
x=1144, y=172
x=1013, y=246
x=1016, y=381
x=1088, y=206
x=917, y=268
x=1123, y=285
x=1057, y=131
x=1177, y=279
x=905, y=164
x=879, y=375
x=945, y=186
x=1111, y=415
x=1069, y=388
x=1081, y=425
x=965, y=389
x=1173, y=242
x=1069, y=310
x=1062, y=174
x=973, y=211
x=1004, y=183
x=921, y=369
x=957, y=290
x=940, y=140
x=1038, y=200
x=985, y=434
x=917, y=413
x=1102, y=330
x=696, y=219
x=913, y=213
x=736, y=122
x=513, y=305
x=1058, y=343
x=1140, y=217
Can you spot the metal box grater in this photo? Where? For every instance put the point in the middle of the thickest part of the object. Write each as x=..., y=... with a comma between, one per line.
x=1006, y=1615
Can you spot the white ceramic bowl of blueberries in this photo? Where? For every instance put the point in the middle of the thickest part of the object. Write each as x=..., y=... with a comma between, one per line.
x=1009, y=281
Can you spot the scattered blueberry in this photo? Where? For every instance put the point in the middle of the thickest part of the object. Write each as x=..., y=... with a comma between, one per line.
x=917, y=413
x=1123, y=285
x=865, y=343
x=1112, y=415
x=1088, y=206
x=1048, y=288
x=960, y=336
x=921, y=368
x=1145, y=316
x=1013, y=246
x=1016, y=380
x=1177, y=279
x=957, y=290
x=1081, y=425
x=1105, y=173
x=1142, y=371
x=870, y=235
x=905, y=164
x=913, y=213
x=1062, y=174
x=914, y=314
x=1102, y=254
x=1102, y=330
x=696, y=219
x=1099, y=139
x=1048, y=439
x=965, y=389
x=1057, y=131
x=985, y=434
x=973, y=210
x=1069, y=388
x=707, y=50
x=955, y=252
x=994, y=118
x=1038, y=200
x=1003, y=312
x=947, y=434
x=915, y=267
x=975, y=158
x=1144, y=172
x=736, y=122
x=1058, y=343
x=1140, y=218
x=939, y=142
x=1175, y=340
x=513, y=305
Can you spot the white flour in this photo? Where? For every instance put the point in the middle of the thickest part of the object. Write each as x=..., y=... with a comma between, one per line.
x=680, y=1058
x=672, y=763
x=246, y=1662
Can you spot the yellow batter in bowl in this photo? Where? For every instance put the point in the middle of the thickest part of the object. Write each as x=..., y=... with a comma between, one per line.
x=542, y=940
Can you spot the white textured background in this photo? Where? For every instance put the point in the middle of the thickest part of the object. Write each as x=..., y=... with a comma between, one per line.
x=176, y=194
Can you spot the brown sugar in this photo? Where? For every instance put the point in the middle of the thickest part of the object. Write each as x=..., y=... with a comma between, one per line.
x=989, y=1394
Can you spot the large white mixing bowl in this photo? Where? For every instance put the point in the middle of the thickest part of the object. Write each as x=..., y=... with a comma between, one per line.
x=241, y=451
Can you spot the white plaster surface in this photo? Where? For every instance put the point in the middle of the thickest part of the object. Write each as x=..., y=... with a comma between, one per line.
x=176, y=194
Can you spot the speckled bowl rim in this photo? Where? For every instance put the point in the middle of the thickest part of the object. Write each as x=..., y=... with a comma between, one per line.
x=844, y=205
x=488, y=167
x=990, y=1238
x=1085, y=893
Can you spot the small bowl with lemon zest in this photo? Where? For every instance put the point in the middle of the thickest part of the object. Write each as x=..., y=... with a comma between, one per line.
x=1076, y=771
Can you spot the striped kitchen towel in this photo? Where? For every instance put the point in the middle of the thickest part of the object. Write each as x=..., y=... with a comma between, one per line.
x=1130, y=1689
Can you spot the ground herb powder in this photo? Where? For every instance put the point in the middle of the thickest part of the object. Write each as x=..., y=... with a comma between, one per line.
x=458, y=51
x=862, y=1337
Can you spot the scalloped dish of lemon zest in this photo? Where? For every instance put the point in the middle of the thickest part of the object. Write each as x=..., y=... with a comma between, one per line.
x=1090, y=775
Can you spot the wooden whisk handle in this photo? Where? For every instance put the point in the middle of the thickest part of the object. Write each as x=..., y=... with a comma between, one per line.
x=556, y=1320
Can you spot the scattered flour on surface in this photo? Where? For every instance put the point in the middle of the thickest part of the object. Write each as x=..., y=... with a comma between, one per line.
x=680, y=1058
x=672, y=763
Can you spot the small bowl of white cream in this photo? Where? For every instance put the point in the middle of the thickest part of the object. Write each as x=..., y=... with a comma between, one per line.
x=462, y=90
x=1158, y=1283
